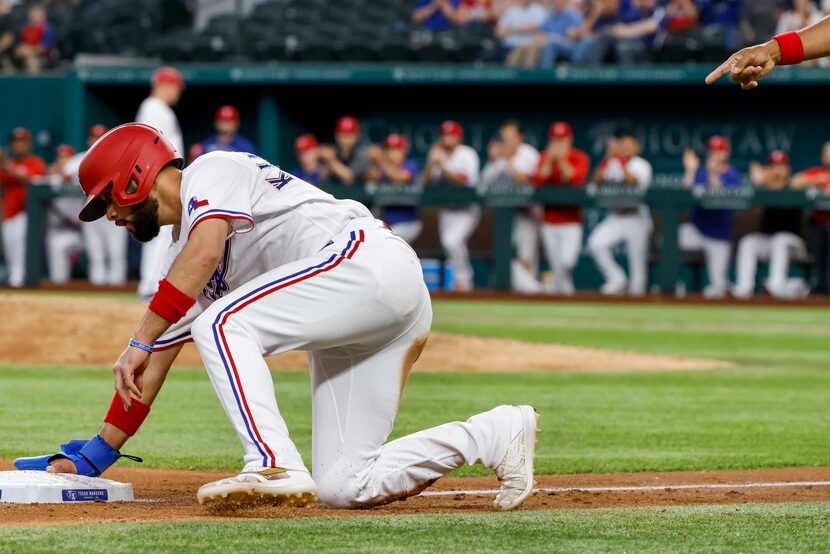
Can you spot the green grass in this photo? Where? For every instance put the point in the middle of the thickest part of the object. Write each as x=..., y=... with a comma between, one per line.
x=730, y=528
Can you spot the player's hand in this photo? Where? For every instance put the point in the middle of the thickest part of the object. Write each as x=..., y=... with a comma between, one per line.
x=691, y=162
x=61, y=465
x=127, y=371
x=749, y=65
x=375, y=153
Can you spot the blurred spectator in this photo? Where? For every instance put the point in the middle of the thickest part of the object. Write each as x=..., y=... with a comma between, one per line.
x=227, y=137
x=680, y=15
x=452, y=162
x=758, y=20
x=562, y=165
x=623, y=166
x=514, y=162
x=632, y=37
x=818, y=178
x=156, y=110
x=711, y=230
x=517, y=28
x=105, y=243
x=559, y=33
x=803, y=14
x=437, y=15
x=17, y=170
x=777, y=241
x=63, y=228
x=477, y=12
x=720, y=13
x=391, y=165
x=34, y=44
x=311, y=169
x=591, y=38
x=348, y=159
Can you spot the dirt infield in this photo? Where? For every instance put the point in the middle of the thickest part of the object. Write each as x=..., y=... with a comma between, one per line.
x=92, y=331
x=169, y=495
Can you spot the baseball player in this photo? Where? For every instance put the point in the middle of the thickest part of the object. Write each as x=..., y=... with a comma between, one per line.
x=390, y=165
x=454, y=163
x=348, y=159
x=777, y=241
x=623, y=165
x=63, y=228
x=106, y=245
x=227, y=137
x=157, y=111
x=711, y=230
x=750, y=65
x=562, y=164
x=262, y=263
x=311, y=169
x=15, y=174
x=513, y=160
x=817, y=178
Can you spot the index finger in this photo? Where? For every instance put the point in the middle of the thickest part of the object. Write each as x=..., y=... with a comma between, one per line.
x=722, y=70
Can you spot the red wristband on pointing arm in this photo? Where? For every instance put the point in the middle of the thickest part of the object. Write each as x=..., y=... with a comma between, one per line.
x=129, y=422
x=792, y=48
x=170, y=303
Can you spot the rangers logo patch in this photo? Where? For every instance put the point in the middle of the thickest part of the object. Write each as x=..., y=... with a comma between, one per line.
x=195, y=204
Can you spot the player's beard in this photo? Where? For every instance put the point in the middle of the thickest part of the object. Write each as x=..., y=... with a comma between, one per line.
x=146, y=220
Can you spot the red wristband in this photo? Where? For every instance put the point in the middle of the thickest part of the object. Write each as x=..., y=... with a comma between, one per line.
x=170, y=303
x=129, y=422
x=792, y=48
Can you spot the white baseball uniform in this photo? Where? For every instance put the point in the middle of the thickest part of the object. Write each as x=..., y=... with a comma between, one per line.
x=105, y=244
x=303, y=270
x=156, y=113
x=631, y=226
x=456, y=225
x=63, y=237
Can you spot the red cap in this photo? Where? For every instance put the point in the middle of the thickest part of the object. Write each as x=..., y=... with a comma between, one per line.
x=720, y=143
x=453, y=128
x=227, y=113
x=347, y=124
x=64, y=150
x=779, y=157
x=130, y=153
x=305, y=142
x=167, y=75
x=195, y=151
x=396, y=141
x=96, y=131
x=560, y=130
x=21, y=133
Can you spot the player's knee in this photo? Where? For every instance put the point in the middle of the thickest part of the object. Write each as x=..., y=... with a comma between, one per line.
x=339, y=491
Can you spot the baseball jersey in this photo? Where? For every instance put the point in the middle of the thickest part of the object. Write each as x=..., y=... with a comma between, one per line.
x=822, y=217
x=238, y=143
x=716, y=224
x=275, y=218
x=14, y=189
x=156, y=113
x=462, y=160
x=402, y=214
x=524, y=160
x=559, y=215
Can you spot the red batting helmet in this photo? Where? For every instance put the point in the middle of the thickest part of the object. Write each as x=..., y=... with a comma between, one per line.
x=227, y=113
x=129, y=157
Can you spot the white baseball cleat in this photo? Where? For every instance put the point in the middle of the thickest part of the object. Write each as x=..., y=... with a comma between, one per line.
x=516, y=468
x=275, y=486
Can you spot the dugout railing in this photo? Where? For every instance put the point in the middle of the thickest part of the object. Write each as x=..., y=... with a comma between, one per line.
x=666, y=204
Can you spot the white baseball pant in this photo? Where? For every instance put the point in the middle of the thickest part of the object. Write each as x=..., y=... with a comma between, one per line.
x=632, y=229
x=361, y=310
x=14, y=248
x=152, y=261
x=716, y=252
x=454, y=229
x=61, y=244
x=778, y=249
x=408, y=230
x=562, y=244
x=525, y=269
x=106, y=248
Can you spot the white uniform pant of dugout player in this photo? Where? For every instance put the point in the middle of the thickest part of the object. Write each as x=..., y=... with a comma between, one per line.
x=106, y=248
x=716, y=253
x=455, y=227
x=632, y=229
x=778, y=249
x=361, y=310
x=524, y=271
x=562, y=244
x=14, y=248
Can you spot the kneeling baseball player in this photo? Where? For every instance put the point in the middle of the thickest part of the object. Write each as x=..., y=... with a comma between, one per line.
x=263, y=263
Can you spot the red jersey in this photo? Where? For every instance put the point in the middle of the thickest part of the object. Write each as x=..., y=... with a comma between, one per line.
x=822, y=217
x=14, y=189
x=559, y=215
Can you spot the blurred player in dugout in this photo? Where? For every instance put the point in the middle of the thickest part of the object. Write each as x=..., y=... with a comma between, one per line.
x=623, y=166
x=63, y=228
x=18, y=168
x=452, y=163
x=227, y=138
x=156, y=110
x=818, y=177
x=777, y=241
x=390, y=164
x=312, y=169
x=560, y=164
x=348, y=159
